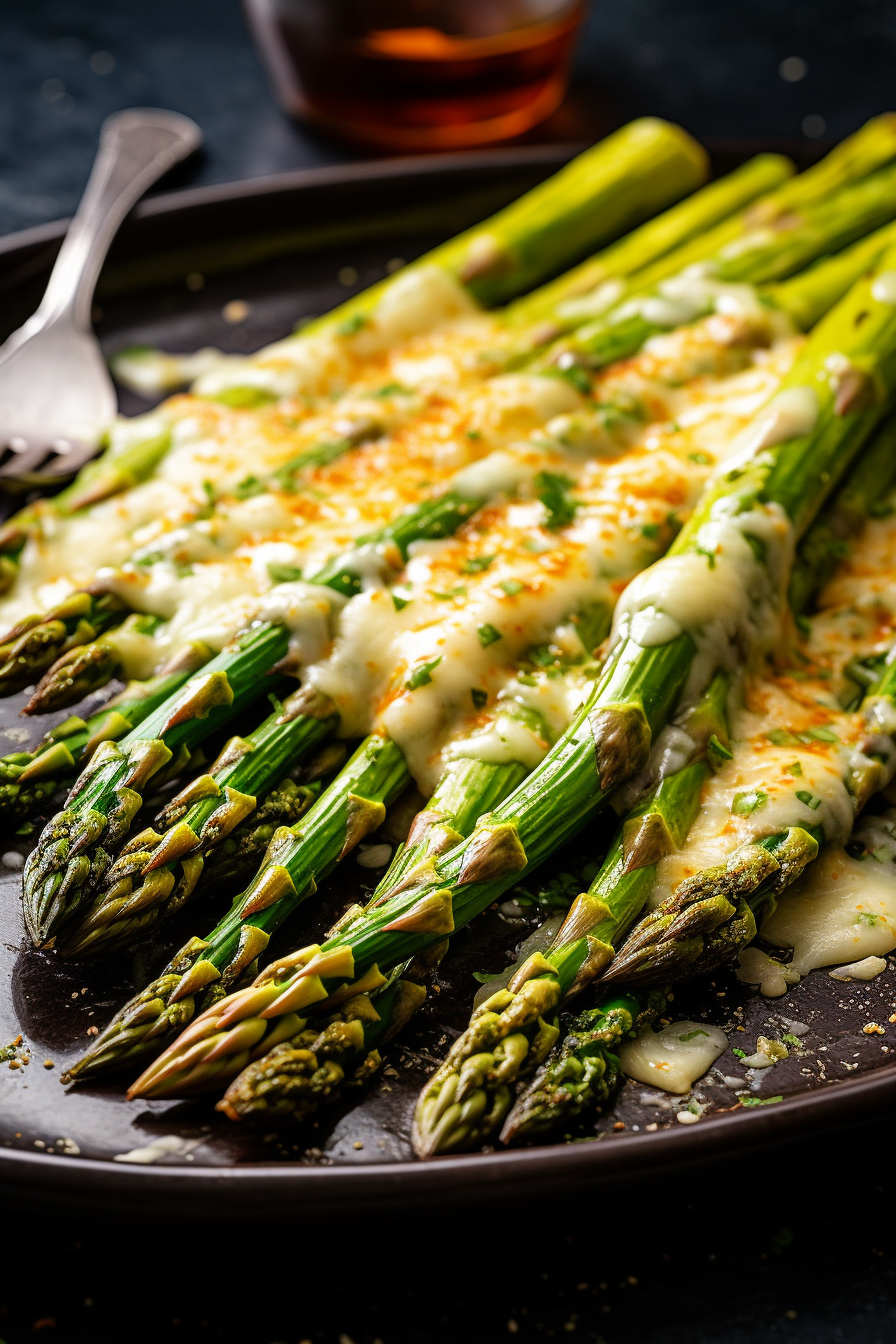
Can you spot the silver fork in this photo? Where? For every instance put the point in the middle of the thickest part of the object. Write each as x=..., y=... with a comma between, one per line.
x=56, y=396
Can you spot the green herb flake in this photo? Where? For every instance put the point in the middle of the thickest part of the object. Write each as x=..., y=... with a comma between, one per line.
x=399, y=603
x=743, y=804
x=511, y=587
x=575, y=375
x=488, y=635
x=474, y=434
x=808, y=799
x=759, y=1101
x=701, y=459
x=459, y=590
x=422, y=675
x=795, y=769
x=393, y=390
x=478, y=564
x=717, y=751
x=740, y=1054
x=552, y=488
x=283, y=573
x=479, y=698
x=789, y=1039
x=527, y=678
x=352, y=325
x=690, y=1035
x=651, y=531
x=779, y=737
x=822, y=735
x=248, y=487
x=865, y=917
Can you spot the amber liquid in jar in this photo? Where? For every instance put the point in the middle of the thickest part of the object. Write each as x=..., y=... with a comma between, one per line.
x=419, y=74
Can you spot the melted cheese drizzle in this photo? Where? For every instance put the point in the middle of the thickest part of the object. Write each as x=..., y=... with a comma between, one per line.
x=473, y=604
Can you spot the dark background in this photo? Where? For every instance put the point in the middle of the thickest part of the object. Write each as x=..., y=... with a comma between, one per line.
x=796, y=1242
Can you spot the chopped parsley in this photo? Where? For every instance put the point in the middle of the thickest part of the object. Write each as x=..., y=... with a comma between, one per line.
x=352, y=325
x=759, y=1101
x=488, y=635
x=249, y=486
x=479, y=698
x=283, y=573
x=808, y=799
x=393, y=390
x=701, y=459
x=795, y=769
x=552, y=490
x=399, y=603
x=689, y=1035
x=789, y=1039
x=511, y=587
x=717, y=752
x=478, y=564
x=743, y=804
x=651, y=531
x=740, y=1054
x=422, y=675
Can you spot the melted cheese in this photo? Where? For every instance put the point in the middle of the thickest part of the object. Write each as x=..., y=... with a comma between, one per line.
x=840, y=910
x=674, y=1057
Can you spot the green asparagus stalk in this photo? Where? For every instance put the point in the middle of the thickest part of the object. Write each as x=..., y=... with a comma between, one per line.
x=231, y=864
x=582, y=1072
x=295, y=1079
x=73, y=852
x=268, y=1085
x=513, y=1030
x=563, y=302
x=157, y=871
x=761, y=257
x=869, y=482
x=711, y=916
x=32, y=645
x=29, y=778
x=297, y=861
x=789, y=475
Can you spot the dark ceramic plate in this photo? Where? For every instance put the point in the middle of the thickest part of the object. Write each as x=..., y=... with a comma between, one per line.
x=279, y=246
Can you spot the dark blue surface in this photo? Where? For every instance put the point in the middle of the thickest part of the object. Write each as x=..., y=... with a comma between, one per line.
x=712, y=64
x=796, y=1245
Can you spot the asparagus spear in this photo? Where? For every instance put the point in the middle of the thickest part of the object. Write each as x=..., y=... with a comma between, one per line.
x=268, y=1086
x=512, y=1031
x=582, y=1071
x=156, y=872
x=28, y=778
x=804, y=441
x=711, y=916
x=759, y=258
x=231, y=864
x=33, y=644
x=296, y=862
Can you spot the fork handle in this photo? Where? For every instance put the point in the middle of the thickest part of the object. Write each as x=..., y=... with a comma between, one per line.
x=136, y=148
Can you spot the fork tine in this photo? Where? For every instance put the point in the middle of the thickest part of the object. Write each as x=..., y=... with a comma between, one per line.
x=27, y=455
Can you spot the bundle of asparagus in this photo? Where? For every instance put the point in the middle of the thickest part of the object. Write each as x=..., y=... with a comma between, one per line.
x=712, y=913
x=560, y=484
x=801, y=444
